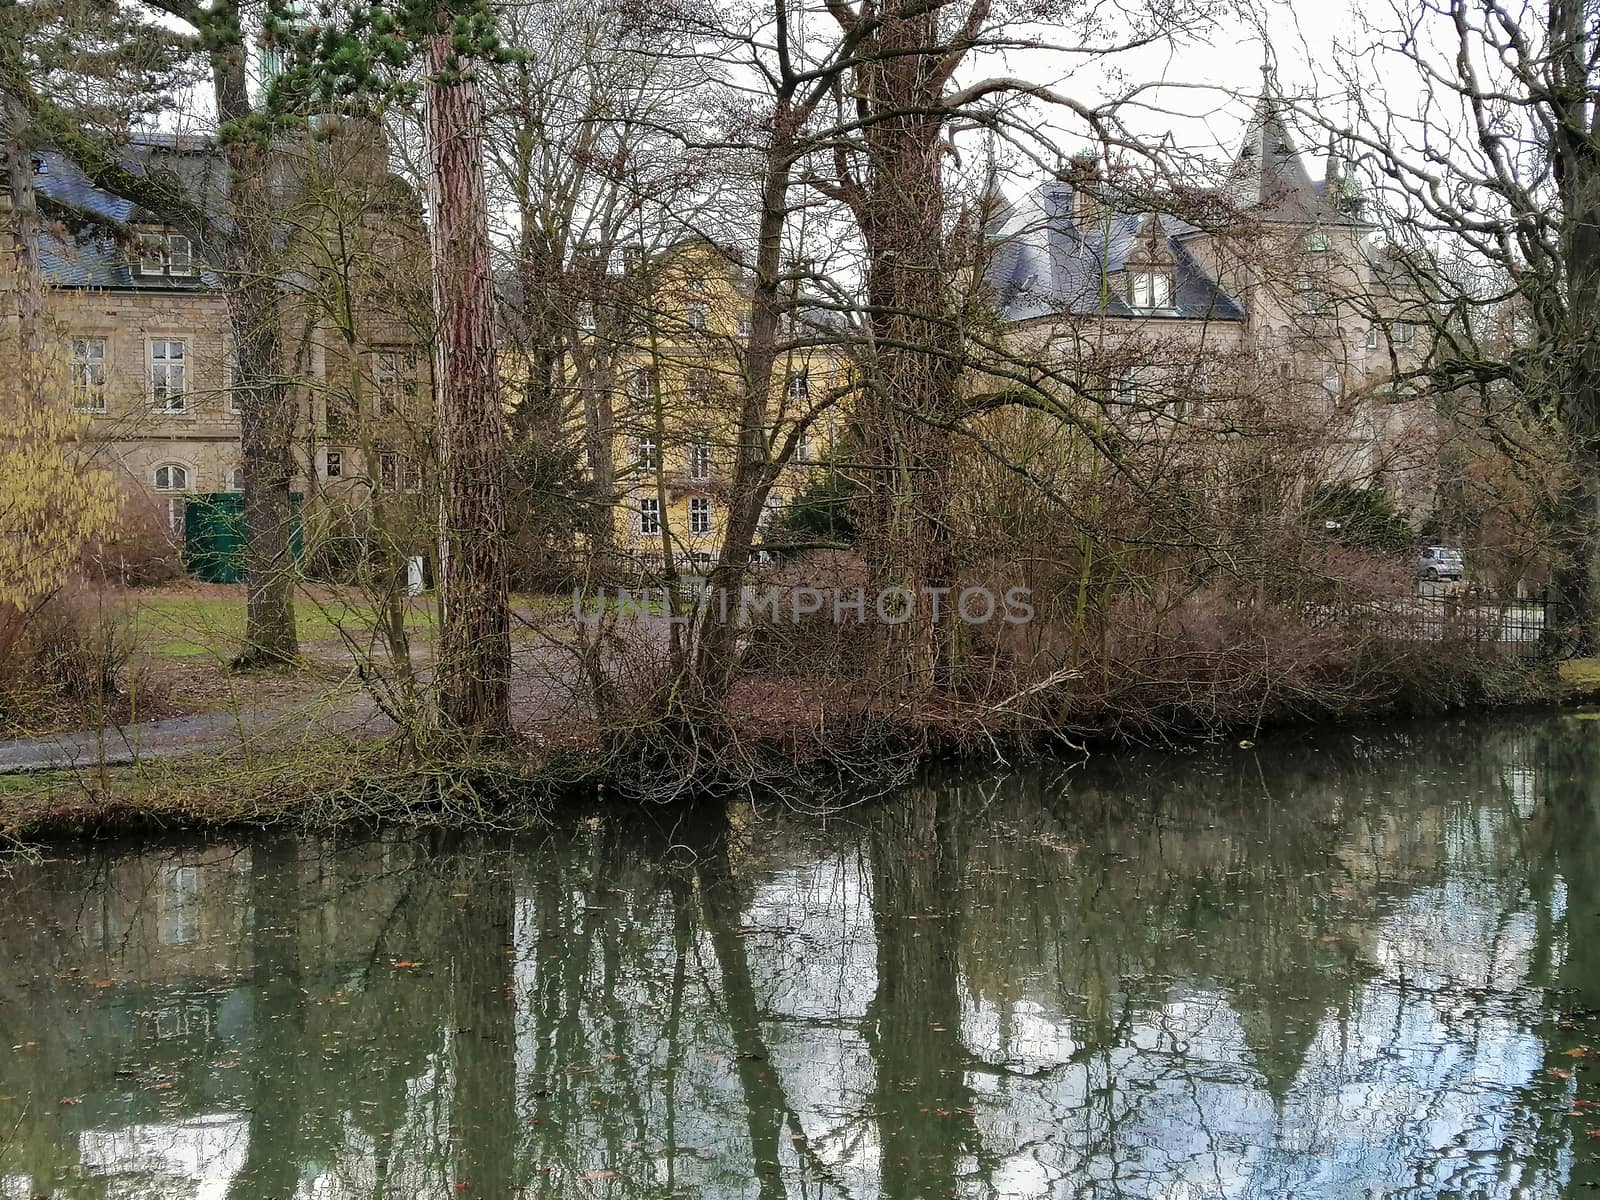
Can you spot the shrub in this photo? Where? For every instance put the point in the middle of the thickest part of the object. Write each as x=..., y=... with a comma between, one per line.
x=139, y=550
x=64, y=658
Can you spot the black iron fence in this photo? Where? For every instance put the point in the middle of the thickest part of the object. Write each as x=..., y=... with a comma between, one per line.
x=1528, y=627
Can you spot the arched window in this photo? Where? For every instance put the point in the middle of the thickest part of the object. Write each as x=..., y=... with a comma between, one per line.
x=173, y=477
x=236, y=479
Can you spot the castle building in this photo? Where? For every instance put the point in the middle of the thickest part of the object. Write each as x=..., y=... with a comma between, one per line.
x=143, y=323
x=1181, y=309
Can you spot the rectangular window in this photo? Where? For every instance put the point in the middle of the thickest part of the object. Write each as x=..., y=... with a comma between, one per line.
x=1150, y=290
x=1311, y=296
x=169, y=383
x=179, y=904
x=700, y=459
x=802, y=446
x=335, y=467
x=152, y=254
x=798, y=389
x=699, y=514
x=697, y=387
x=165, y=254
x=1401, y=333
x=180, y=259
x=391, y=381
x=1371, y=342
x=1318, y=243
x=695, y=315
x=649, y=515
x=647, y=452
x=398, y=472
x=89, y=373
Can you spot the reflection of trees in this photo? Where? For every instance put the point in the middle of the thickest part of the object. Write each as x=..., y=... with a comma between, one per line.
x=1137, y=972
x=923, y=1104
x=483, y=1012
x=278, y=1051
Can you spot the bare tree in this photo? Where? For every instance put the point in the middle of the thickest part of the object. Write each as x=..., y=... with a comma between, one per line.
x=1491, y=170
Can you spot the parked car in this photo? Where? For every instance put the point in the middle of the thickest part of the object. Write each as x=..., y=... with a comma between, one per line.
x=1440, y=562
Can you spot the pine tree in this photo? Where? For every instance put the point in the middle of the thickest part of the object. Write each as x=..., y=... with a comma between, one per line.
x=361, y=66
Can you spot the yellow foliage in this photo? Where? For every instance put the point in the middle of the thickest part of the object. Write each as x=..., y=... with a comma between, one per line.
x=53, y=499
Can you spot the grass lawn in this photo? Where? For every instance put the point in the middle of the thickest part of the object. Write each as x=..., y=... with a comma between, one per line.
x=208, y=622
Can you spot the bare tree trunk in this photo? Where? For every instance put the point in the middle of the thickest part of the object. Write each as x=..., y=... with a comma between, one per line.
x=474, y=667
x=900, y=207
x=752, y=471
x=267, y=409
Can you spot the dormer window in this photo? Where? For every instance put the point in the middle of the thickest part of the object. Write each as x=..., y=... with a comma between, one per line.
x=1149, y=289
x=165, y=254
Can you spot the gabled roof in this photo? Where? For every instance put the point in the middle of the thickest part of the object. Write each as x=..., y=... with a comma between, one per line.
x=1045, y=265
x=92, y=257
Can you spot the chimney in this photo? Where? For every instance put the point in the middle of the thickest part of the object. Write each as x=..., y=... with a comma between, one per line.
x=1082, y=173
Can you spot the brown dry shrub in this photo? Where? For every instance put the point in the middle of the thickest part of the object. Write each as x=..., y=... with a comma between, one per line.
x=64, y=660
x=140, y=551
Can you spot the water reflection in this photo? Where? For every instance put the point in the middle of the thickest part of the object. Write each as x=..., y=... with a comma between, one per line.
x=1362, y=966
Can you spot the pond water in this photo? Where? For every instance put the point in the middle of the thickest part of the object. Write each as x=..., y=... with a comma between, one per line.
x=1357, y=965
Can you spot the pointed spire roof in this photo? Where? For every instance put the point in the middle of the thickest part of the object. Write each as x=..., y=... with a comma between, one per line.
x=1268, y=179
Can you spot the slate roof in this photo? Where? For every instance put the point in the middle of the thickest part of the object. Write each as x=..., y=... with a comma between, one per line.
x=1045, y=265
x=92, y=258
x=1268, y=180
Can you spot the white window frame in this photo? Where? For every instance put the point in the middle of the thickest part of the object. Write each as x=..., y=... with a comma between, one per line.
x=175, y=256
x=1311, y=296
x=649, y=516
x=156, y=263
x=700, y=459
x=392, y=385
x=1401, y=333
x=169, y=254
x=174, y=401
x=797, y=388
x=1150, y=289
x=696, y=314
x=89, y=373
x=173, y=492
x=700, y=515
x=230, y=368
x=647, y=452
x=697, y=386
x=398, y=473
x=1371, y=341
x=234, y=479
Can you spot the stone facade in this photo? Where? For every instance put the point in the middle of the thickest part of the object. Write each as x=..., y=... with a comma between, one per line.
x=1267, y=299
x=144, y=328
